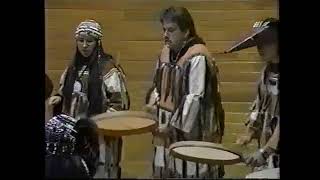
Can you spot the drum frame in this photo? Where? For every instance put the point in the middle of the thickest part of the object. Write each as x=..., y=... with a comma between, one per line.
x=119, y=133
x=203, y=160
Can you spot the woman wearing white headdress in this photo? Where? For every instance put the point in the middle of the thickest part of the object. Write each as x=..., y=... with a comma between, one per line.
x=92, y=84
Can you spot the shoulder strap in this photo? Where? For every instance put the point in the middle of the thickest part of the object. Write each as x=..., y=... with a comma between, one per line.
x=195, y=50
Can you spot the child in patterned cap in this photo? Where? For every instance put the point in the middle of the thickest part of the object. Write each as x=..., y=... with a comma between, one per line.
x=72, y=148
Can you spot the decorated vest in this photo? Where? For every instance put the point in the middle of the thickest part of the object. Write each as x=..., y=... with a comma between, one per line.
x=173, y=76
x=171, y=80
x=267, y=106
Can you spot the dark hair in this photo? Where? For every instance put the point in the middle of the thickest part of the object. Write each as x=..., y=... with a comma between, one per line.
x=273, y=23
x=48, y=87
x=95, y=82
x=180, y=16
x=270, y=35
x=87, y=143
x=65, y=167
x=86, y=151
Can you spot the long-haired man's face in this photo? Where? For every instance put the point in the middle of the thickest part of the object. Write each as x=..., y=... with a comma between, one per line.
x=172, y=35
x=86, y=44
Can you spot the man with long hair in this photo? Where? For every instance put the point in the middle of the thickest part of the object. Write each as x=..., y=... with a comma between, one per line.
x=185, y=97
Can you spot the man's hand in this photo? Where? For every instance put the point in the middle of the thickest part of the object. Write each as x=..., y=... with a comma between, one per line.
x=150, y=109
x=256, y=159
x=54, y=100
x=162, y=132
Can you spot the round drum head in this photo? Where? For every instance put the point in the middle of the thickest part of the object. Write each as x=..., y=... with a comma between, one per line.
x=204, y=152
x=123, y=123
x=273, y=173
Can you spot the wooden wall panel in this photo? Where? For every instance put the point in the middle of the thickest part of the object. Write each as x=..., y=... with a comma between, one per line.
x=159, y=4
x=133, y=35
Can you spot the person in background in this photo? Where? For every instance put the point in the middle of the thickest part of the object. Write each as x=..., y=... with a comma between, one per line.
x=48, y=91
x=48, y=87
